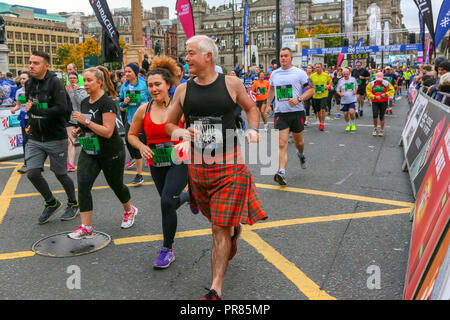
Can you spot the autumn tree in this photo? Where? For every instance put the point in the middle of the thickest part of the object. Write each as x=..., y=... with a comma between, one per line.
x=330, y=42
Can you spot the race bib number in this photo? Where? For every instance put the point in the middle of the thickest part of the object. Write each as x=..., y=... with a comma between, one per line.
x=162, y=154
x=210, y=132
x=41, y=105
x=90, y=144
x=262, y=90
x=349, y=86
x=135, y=97
x=378, y=89
x=21, y=99
x=320, y=88
x=358, y=81
x=284, y=93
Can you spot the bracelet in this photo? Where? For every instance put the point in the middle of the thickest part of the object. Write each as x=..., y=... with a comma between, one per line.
x=253, y=128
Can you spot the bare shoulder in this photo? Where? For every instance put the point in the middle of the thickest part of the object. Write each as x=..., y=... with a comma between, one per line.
x=233, y=81
x=180, y=93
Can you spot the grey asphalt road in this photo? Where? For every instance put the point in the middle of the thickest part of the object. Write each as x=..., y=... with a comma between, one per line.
x=339, y=230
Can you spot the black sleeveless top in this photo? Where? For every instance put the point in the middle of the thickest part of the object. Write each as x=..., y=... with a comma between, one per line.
x=211, y=110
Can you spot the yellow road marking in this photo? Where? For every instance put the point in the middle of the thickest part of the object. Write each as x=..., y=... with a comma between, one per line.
x=9, y=167
x=310, y=289
x=8, y=192
x=337, y=195
x=157, y=237
x=16, y=255
x=337, y=217
x=24, y=195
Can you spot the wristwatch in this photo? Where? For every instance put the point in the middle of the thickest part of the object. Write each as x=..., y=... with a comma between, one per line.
x=299, y=99
x=86, y=123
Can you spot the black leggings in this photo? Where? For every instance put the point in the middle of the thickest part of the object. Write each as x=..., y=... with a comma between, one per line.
x=41, y=185
x=89, y=168
x=170, y=182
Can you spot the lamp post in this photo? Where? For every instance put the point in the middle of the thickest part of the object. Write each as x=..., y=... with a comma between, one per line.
x=278, y=37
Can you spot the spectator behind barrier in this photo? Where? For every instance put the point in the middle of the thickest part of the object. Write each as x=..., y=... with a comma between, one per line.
x=444, y=87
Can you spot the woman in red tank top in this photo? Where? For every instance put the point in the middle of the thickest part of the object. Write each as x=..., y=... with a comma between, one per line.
x=167, y=169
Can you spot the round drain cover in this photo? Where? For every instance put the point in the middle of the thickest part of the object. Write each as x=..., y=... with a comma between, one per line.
x=60, y=245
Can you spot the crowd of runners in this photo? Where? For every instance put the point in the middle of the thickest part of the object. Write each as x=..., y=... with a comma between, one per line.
x=183, y=130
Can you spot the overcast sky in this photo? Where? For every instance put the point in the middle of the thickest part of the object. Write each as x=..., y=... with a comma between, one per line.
x=408, y=7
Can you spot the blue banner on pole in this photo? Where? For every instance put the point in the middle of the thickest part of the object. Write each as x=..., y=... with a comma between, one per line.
x=246, y=14
x=443, y=22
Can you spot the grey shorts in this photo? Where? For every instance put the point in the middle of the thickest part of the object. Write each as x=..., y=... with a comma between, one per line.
x=36, y=154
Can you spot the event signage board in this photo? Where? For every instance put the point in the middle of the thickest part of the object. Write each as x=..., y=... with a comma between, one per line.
x=364, y=49
x=422, y=144
x=431, y=214
x=414, y=118
x=10, y=135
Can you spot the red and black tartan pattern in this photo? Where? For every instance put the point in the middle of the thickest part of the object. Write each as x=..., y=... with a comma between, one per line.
x=225, y=194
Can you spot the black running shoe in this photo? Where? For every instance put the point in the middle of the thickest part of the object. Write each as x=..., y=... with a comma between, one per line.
x=22, y=170
x=138, y=180
x=71, y=211
x=302, y=159
x=49, y=211
x=211, y=295
x=280, y=178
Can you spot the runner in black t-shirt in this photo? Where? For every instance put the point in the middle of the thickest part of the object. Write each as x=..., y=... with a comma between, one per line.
x=102, y=150
x=361, y=75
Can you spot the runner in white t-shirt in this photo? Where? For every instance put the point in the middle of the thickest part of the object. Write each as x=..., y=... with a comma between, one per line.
x=286, y=86
x=347, y=88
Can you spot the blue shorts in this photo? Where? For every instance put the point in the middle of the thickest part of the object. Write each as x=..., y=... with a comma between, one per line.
x=346, y=107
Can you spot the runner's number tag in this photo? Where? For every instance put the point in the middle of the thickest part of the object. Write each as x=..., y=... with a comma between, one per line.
x=89, y=143
x=210, y=131
x=284, y=93
x=135, y=97
x=162, y=154
x=320, y=88
x=349, y=86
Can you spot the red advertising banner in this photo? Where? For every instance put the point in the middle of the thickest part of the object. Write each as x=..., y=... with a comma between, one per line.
x=431, y=215
x=184, y=12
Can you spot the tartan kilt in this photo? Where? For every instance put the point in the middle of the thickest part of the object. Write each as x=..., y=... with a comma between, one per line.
x=225, y=193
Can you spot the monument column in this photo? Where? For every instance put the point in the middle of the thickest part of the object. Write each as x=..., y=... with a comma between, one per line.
x=135, y=52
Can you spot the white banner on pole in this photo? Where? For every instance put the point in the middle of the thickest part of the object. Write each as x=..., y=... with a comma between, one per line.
x=348, y=18
x=386, y=33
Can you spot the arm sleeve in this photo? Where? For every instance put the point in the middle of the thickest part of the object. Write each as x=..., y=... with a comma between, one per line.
x=391, y=90
x=369, y=91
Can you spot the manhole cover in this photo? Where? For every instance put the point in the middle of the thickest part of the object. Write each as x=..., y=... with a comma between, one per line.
x=60, y=245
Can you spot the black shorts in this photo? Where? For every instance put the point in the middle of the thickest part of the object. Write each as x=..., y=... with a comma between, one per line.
x=260, y=103
x=293, y=120
x=361, y=90
x=319, y=104
x=378, y=109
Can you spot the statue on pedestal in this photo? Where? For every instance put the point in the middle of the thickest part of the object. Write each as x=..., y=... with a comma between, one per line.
x=2, y=31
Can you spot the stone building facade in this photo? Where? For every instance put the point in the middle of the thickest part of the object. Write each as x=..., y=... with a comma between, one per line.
x=217, y=22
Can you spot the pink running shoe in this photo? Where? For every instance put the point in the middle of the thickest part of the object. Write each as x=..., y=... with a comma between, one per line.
x=71, y=168
x=82, y=233
x=130, y=164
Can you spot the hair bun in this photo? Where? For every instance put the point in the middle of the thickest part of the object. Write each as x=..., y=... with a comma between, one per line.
x=165, y=62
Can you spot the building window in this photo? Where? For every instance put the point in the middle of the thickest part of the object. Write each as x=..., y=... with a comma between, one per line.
x=18, y=35
x=46, y=38
x=25, y=36
x=19, y=60
x=222, y=60
x=39, y=37
x=260, y=40
x=41, y=48
x=33, y=48
x=12, y=60
x=47, y=49
x=66, y=39
x=18, y=47
x=314, y=18
x=53, y=38
x=11, y=47
x=259, y=19
x=59, y=39
x=32, y=36
x=26, y=48
x=9, y=34
x=53, y=49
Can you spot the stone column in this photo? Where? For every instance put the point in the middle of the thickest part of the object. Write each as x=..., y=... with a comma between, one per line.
x=135, y=52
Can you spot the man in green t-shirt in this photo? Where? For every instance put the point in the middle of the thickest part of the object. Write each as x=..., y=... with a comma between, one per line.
x=73, y=68
x=322, y=84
